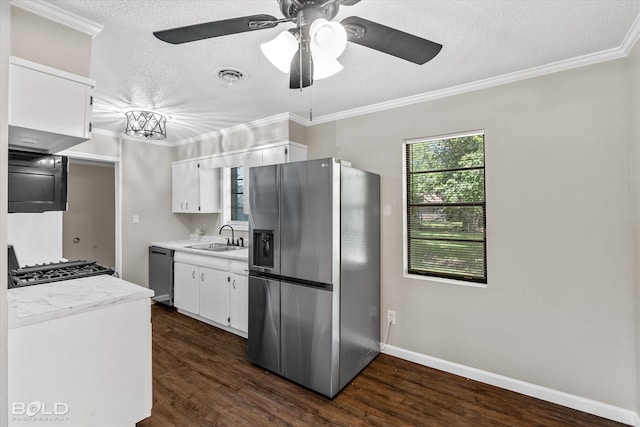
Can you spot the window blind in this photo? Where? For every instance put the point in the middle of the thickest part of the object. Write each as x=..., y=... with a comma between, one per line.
x=446, y=210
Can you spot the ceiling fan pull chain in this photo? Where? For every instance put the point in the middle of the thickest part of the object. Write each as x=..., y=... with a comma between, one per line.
x=310, y=104
x=301, y=69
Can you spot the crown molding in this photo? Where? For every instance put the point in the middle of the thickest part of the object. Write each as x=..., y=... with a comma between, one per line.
x=581, y=61
x=298, y=119
x=632, y=37
x=61, y=16
x=630, y=40
x=125, y=137
x=234, y=129
x=227, y=131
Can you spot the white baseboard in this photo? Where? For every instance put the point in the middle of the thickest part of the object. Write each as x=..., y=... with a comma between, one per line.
x=561, y=398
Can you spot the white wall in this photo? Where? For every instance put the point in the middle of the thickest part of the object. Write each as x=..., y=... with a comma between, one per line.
x=36, y=237
x=146, y=192
x=558, y=310
x=634, y=82
x=46, y=42
x=5, y=31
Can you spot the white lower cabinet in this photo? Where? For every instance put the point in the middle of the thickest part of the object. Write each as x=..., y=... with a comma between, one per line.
x=186, y=286
x=214, y=295
x=212, y=289
x=238, y=300
x=90, y=368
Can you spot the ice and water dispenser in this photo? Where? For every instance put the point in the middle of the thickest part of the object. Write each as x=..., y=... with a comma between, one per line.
x=263, y=248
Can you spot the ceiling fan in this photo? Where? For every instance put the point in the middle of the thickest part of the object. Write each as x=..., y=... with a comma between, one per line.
x=314, y=36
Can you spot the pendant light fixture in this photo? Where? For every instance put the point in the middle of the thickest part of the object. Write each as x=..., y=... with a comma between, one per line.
x=146, y=124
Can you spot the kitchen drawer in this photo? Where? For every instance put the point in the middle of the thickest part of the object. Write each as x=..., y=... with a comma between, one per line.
x=239, y=267
x=215, y=262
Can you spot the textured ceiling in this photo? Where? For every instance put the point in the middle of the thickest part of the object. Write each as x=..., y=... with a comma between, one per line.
x=482, y=39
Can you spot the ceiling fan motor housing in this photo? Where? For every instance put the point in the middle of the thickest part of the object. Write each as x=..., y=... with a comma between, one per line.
x=313, y=9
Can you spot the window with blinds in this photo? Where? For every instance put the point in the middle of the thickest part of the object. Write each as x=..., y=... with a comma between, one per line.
x=237, y=195
x=446, y=208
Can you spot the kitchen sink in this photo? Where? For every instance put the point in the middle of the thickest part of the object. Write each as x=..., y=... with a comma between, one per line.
x=216, y=247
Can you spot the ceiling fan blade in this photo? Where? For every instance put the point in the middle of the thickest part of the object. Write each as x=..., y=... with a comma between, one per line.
x=208, y=30
x=389, y=40
x=347, y=2
x=301, y=74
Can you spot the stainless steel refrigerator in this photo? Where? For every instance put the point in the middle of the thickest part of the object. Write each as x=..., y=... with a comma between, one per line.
x=314, y=271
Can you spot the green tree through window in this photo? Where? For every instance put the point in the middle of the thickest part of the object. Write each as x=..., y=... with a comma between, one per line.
x=446, y=208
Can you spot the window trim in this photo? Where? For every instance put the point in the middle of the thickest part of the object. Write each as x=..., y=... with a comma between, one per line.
x=405, y=219
x=226, y=202
x=232, y=195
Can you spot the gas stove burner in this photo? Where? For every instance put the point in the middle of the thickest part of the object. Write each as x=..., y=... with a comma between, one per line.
x=55, y=272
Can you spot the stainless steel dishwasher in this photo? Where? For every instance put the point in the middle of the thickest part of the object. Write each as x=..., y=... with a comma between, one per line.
x=161, y=274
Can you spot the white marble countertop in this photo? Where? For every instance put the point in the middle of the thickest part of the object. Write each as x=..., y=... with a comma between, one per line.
x=40, y=303
x=181, y=245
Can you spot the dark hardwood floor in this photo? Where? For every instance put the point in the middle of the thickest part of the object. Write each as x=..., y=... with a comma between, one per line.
x=201, y=377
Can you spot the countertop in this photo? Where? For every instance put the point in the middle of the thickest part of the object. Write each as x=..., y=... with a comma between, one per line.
x=39, y=303
x=181, y=245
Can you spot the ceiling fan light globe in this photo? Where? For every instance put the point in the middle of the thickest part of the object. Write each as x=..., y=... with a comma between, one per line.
x=280, y=50
x=328, y=38
x=324, y=67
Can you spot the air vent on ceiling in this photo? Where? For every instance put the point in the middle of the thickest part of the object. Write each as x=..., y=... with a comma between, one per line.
x=230, y=75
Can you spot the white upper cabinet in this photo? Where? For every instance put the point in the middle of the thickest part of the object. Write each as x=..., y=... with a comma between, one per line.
x=210, y=201
x=210, y=184
x=185, y=187
x=194, y=188
x=284, y=154
x=49, y=109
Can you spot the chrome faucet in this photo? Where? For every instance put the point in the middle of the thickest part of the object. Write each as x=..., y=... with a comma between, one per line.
x=233, y=240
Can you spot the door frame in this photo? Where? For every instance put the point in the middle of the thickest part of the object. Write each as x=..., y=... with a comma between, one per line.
x=117, y=169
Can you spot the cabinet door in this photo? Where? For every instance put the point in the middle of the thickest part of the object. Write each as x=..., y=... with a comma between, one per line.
x=49, y=100
x=185, y=187
x=209, y=190
x=275, y=155
x=239, y=302
x=214, y=295
x=185, y=286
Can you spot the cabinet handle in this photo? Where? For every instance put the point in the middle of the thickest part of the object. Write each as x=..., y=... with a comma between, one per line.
x=193, y=274
x=234, y=283
x=181, y=205
x=202, y=277
x=187, y=205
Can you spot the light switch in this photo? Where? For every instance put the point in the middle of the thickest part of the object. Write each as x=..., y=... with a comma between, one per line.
x=136, y=219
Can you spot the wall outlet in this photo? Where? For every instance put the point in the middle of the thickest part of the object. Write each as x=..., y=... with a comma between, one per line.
x=391, y=317
x=136, y=219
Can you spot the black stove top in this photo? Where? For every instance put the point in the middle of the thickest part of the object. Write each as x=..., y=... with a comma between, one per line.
x=55, y=272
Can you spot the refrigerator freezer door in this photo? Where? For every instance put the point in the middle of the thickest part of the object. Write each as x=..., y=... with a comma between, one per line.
x=264, y=323
x=307, y=350
x=310, y=221
x=264, y=219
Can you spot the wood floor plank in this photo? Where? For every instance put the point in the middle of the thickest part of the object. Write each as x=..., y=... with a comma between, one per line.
x=201, y=377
